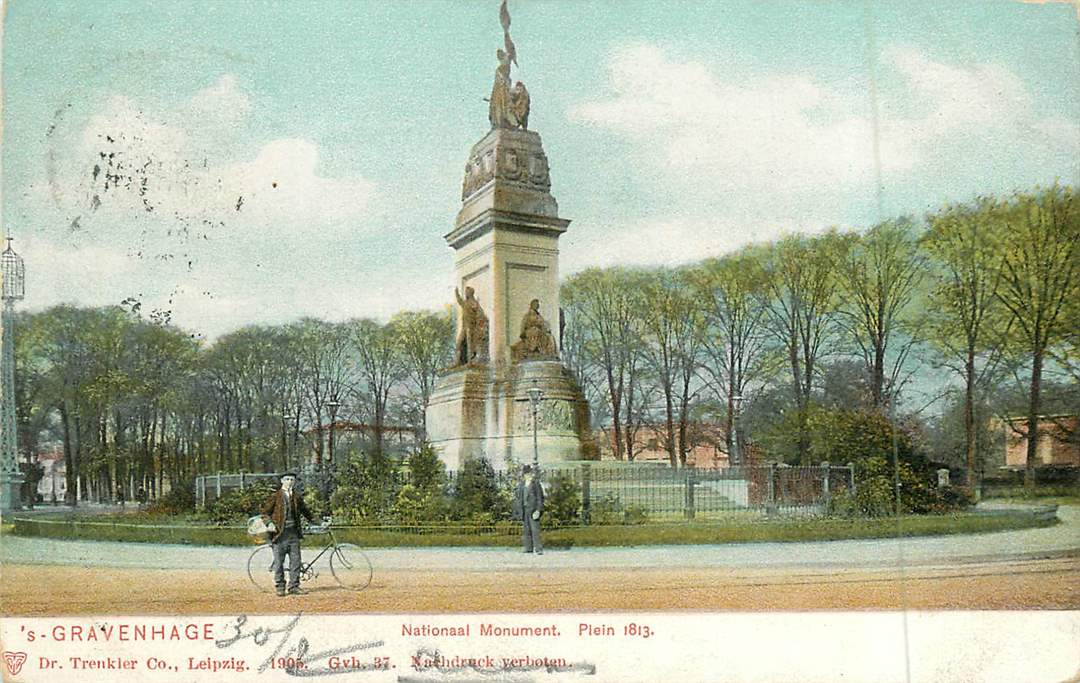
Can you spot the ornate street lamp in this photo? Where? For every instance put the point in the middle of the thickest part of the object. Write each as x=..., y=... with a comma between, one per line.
x=536, y=394
x=286, y=419
x=334, y=405
x=14, y=287
x=736, y=457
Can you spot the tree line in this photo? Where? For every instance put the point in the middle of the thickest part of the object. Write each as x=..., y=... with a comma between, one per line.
x=140, y=401
x=795, y=331
x=987, y=292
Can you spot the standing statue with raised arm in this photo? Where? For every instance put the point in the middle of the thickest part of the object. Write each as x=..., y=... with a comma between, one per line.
x=507, y=107
x=500, y=113
x=472, y=341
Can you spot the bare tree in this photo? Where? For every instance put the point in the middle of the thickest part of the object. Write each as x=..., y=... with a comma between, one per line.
x=879, y=276
x=605, y=308
x=380, y=368
x=800, y=299
x=728, y=290
x=671, y=330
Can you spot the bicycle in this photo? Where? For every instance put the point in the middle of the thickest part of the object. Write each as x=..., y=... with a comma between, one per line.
x=349, y=566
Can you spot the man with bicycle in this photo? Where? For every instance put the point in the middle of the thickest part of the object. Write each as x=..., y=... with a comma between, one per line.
x=285, y=507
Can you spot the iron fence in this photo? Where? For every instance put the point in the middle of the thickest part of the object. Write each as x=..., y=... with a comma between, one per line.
x=610, y=493
x=210, y=487
x=625, y=492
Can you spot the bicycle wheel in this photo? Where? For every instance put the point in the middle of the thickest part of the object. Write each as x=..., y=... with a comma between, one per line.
x=260, y=568
x=350, y=566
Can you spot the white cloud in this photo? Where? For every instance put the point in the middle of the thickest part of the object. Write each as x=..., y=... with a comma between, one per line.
x=760, y=150
x=133, y=166
x=222, y=102
x=282, y=184
x=982, y=102
x=673, y=240
x=738, y=133
x=155, y=205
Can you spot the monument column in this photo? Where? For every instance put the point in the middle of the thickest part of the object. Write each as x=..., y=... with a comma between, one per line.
x=506, y=274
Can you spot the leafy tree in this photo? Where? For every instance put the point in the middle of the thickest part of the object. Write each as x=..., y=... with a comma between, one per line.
x=965, y=315
x=425, y=341
x=1040, y=280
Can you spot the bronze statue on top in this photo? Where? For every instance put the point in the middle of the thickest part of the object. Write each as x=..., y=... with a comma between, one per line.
x=507, y=108
x=536, y=341
x=472, y=341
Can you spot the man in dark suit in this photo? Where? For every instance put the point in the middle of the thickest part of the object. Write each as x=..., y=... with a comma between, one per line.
x=529, y=505
x=285, y=507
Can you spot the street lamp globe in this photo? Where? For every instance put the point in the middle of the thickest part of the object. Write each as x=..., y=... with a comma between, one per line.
x=536, y=394
x=14, y=272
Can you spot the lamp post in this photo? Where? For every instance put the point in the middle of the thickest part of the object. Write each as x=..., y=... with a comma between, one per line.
x=736, y=456
x=14, y=284
x=328, y=473
x=286, y=418
x=334, y=405
x=536, y=394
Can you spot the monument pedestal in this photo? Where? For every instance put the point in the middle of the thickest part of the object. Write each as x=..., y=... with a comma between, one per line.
x=476, y=411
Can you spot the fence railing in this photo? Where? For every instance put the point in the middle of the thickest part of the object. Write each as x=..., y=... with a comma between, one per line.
x=611, y=493
x=210, y=487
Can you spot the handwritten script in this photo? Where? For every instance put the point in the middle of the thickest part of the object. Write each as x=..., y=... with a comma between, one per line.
x=295, y=648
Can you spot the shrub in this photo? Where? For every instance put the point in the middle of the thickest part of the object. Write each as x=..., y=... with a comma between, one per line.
x=607, y=510
x=635, y=514
x=477, y=491
x=875, y=491
x=562, y=503
x=179, y=500
x=366, y=490
x=426, y=469
x=951, y=499
x=315, y=502
x=239, y=504
x=415, y=505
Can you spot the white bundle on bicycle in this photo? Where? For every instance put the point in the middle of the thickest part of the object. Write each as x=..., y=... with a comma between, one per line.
x=261, y=528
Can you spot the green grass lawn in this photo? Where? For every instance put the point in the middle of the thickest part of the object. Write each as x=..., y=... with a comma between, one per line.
x=1058, y=494
x=733, y=530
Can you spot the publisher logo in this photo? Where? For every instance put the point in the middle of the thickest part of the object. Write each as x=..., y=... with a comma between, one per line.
x=14, y=661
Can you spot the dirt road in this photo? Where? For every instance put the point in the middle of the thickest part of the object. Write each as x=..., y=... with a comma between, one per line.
x=1038, y=583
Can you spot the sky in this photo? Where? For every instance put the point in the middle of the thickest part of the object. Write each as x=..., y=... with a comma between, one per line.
x=245, y=162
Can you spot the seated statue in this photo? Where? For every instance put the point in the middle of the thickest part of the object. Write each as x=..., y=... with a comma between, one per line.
x=536, y=341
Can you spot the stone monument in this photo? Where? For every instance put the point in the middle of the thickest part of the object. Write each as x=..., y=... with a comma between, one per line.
x=506, y=240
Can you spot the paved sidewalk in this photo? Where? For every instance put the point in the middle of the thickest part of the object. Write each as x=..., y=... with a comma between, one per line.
x=1061, y=539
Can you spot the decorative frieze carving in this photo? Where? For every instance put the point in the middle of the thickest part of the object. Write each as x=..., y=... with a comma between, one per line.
x=524, y=165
